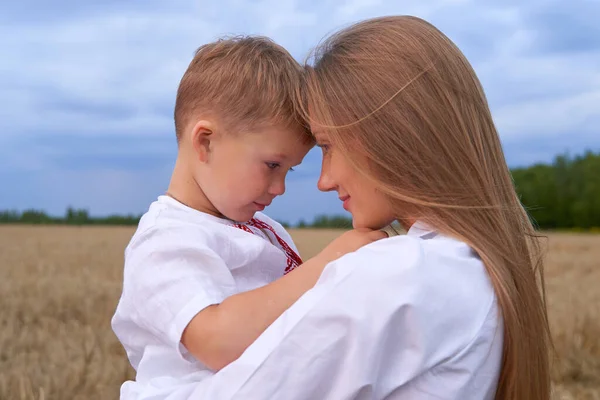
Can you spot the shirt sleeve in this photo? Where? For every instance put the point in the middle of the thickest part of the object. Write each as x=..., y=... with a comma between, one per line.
x=362, y=332
x=170, y=275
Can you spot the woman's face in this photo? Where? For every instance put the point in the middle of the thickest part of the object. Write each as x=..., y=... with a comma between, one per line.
x=369, y=207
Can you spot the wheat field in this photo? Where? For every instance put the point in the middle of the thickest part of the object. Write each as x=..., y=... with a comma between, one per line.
x=60, y=285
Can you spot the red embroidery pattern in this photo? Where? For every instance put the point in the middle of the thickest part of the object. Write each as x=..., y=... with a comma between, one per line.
x=293, y=259
x=244, y=228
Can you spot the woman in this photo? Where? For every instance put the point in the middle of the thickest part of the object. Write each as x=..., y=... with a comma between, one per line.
x=451, y=310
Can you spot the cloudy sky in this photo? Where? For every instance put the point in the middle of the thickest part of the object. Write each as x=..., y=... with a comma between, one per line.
x=87, y=88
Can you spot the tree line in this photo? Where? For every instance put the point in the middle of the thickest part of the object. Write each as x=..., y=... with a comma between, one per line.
x=561, y=195
x=72, y=217
x=564, y=194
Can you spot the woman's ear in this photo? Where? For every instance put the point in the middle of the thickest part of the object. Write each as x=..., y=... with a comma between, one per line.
x=202, y=136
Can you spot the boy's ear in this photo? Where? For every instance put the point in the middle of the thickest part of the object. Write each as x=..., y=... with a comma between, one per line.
x=203, y=136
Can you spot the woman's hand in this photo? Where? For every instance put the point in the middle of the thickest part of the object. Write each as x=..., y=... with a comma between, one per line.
x=350, y=241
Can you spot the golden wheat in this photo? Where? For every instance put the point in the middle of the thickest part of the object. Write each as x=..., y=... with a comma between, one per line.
x=60, y=286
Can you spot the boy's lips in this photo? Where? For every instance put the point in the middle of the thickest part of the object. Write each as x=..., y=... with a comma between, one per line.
x=262, y=206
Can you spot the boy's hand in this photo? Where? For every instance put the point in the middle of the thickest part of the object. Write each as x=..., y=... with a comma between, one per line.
x=350, y=241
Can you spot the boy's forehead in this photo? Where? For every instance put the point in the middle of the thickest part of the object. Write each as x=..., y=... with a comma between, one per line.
x=279, y=135
x=279, y=141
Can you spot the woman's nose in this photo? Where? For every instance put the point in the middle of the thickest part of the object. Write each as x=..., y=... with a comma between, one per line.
x=325, y=183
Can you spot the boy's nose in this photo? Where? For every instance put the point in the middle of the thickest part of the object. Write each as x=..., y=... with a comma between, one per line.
x=277, y=188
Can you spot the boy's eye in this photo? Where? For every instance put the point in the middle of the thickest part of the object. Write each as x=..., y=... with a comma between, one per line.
x=272, y=165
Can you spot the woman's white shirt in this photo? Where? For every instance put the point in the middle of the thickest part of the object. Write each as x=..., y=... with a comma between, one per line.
x=408, y=317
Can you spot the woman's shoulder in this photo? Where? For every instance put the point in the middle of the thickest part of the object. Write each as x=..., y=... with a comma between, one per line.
x=440, y=280
x=432, y=262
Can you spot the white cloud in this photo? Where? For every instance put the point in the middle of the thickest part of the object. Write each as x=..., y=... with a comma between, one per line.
x=351, y=8
x=90, y=69
x=133, y=59
x=547, y=118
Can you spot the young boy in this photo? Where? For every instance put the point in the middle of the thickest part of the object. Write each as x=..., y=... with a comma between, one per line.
x=206, y=272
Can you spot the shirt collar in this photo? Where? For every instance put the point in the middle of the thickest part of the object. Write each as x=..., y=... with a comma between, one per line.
x=422, y=230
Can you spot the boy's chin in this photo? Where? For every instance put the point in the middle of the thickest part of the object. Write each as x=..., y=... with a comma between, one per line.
x=241, y=217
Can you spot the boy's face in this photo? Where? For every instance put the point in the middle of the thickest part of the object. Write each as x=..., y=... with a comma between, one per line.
x=244, y=172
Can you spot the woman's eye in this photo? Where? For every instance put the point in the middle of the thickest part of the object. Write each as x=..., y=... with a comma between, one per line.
x=272, y=165
x=324, y=147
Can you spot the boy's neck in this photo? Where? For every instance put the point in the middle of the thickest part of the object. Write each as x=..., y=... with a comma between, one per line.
x=185, y=189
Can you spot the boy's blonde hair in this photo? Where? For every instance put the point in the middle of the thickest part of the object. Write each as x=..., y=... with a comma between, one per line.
x=398, y=92
x=247, y=82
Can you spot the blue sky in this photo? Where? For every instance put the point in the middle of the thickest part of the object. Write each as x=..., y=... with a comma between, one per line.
x=87, y=88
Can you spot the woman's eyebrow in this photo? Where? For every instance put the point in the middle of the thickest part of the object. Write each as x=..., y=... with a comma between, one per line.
x=318, y=135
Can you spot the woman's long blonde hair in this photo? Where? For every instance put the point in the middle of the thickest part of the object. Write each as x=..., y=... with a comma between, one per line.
x=398, y=92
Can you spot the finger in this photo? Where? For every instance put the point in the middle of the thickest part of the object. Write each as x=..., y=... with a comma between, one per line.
x=380, y=234
x=390, y=231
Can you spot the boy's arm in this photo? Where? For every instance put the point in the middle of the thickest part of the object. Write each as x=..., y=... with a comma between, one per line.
x=220, y=333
